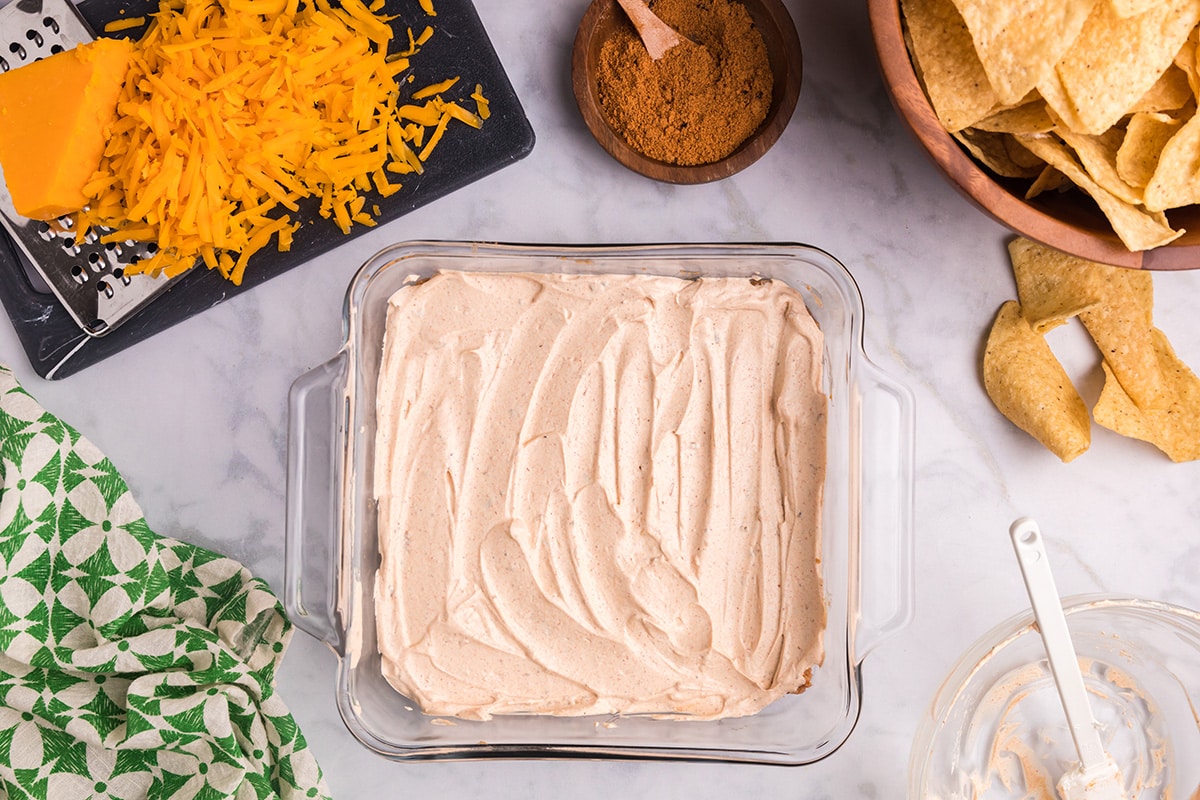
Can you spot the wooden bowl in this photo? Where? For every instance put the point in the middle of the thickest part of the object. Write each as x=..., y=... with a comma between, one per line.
x=1068, y=221
x=604, y=17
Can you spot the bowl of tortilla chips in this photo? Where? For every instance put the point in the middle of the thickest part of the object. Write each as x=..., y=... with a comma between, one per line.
x=1072, y=122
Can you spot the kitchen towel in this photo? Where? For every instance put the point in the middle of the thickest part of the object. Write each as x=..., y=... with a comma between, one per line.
x=131, y=665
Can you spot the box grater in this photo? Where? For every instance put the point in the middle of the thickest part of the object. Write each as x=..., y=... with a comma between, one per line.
x=88, y=278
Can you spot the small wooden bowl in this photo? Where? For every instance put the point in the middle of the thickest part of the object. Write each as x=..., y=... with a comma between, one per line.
x=1067, y=221
x=604, y=17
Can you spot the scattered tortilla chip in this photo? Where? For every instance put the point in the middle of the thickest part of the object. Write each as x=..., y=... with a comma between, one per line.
x=1121, y=326
x=1138, y=228
x=1030, y=387
x=954, y=79
x=1174, y=429
x=1019, y=43
x=1145, y=137
x=1115, y=305
x=1148, y=392
x=1116, y=60
x=1175, y=181
x=1051, y=285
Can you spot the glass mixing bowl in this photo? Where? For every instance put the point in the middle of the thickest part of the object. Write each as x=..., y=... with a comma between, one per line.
x=997, y=729
x=866, y=551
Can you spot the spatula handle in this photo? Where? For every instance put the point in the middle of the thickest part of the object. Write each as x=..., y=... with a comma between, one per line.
x=1052, y=623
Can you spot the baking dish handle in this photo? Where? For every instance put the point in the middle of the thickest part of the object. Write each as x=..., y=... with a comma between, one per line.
x=316, y=429
x=885, y=411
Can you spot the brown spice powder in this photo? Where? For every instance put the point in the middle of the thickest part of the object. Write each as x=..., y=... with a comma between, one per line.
x=703, y=98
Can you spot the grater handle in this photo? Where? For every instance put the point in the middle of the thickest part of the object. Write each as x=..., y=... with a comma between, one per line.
x=884, y=416
x=312, y=547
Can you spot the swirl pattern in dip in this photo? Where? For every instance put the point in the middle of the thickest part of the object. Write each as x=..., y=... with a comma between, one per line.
x=599, y=495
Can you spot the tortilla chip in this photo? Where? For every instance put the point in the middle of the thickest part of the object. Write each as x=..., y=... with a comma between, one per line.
x=1138, y=228
x=1185, y=60
x=1174, y=429
x=1051, y=285
x=1030, y=387
x=1120, y=325
x=1115, y=305
x=1176, y=181
x=1115, y=60
x=954, y=80
x=1021, y=156
x=1059, y=105
x=1028, y=117
x=1019, y=43
x=993, y=151
x=1145, y=137
x=1127, y=8
x=1049, y=180
x=1098, y=155
x=1171, y=92
x=1095, y=93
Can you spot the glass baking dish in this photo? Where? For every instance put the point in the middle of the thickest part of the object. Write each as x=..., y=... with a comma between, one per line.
x=332, y=552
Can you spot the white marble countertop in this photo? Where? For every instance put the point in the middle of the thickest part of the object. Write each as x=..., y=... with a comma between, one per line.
x=196, y=417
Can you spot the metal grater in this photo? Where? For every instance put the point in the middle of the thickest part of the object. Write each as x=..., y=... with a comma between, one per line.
x=88, y=279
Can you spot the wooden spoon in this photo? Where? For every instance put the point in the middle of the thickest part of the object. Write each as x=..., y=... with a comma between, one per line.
x=658, y=36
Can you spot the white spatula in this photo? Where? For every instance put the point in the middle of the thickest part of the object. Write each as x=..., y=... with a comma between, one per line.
x=1097, y=777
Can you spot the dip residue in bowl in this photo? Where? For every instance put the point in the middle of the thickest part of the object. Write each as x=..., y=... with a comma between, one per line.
x=1019, y=744
x=997, y=729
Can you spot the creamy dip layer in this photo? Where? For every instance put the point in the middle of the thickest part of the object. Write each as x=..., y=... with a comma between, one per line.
x=599, y=495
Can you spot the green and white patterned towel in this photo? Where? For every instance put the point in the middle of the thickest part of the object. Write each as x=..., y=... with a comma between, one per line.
x=131, y=665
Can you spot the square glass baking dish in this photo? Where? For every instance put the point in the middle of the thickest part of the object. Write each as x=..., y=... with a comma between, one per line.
x=332, y=551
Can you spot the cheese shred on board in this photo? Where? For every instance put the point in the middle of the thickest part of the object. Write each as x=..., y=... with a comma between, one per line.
x=234, y=111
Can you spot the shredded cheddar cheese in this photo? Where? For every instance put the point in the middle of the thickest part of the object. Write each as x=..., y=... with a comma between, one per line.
x=236, y=111
x=434, y=89
x=129, y=23
x=482, y=107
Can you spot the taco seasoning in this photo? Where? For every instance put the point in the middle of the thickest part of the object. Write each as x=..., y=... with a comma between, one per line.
x=703, y=98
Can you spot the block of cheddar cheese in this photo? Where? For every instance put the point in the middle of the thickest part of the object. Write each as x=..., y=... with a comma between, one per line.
x=53, y=114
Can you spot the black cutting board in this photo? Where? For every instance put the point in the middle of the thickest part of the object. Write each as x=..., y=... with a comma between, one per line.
x=57, y=347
